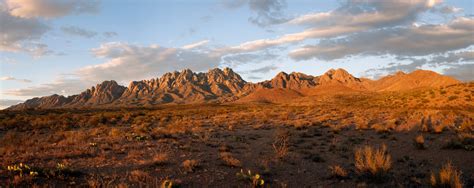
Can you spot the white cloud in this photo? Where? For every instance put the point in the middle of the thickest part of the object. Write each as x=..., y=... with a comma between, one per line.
x=262, y=44
x=60, y=86
x=22, y=25
x=16, y=31
x=357, y=27
x=400, y=41
x=351, y=17
x=50, y=8
x=195, y=45
x=125, y=62
x=457, y=64
x=128, y=62
x=10, y=78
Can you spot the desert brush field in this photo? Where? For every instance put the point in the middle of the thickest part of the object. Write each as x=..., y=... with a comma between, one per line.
x=416, y=138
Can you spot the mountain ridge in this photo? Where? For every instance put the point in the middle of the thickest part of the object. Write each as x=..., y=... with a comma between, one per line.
x=220, y=86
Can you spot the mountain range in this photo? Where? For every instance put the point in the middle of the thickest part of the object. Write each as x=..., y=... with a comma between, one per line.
x=221, y=86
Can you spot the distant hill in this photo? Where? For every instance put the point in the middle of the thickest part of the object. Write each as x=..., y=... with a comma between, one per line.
x=416, y=79
x=220, y=86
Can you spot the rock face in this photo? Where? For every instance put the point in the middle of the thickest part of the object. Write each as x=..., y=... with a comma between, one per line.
x=289, y=81
x=104, y=93
x=299, y=81
x=340, y=76
x=225, y=85
x=184, y=87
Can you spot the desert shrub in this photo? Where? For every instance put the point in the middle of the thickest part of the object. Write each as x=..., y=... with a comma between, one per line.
x=461, y=141
x=190, y=165
x=383, y=127
x=438, y=129
x=453, y=97
x=229, y=160
x=420, y=142
x=280, y=143
x=142, y=178
x=372, y=162
x=448, y=176
x=338, y=172
x=160, y=159
x=116, y=133
x=141, y=128
x=97, y=119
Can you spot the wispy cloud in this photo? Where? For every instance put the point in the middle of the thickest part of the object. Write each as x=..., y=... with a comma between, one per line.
x=110, y=34
x=10, y=78
x=463, y=72
x=50, y=8
x=77, y=31
x=61, y=86
x=4, y=103
x=195, y=45
x=266, y=12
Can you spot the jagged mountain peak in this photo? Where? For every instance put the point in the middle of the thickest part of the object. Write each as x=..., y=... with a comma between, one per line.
x=294, y=80
x=399, y=73
x=185, y=86
x=218, y=85
x=281, y=75
x=338, y=75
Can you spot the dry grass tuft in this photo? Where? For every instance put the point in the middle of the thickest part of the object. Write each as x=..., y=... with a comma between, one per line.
x=338, y=172
x=373, y=162
x=141, y=178
x=160, y=159
x=229, y=160
x=190, y=165
x=280, y=143
x=420, y=142
x=448, y=176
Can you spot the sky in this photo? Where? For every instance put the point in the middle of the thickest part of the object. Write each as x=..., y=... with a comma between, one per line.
x=66, y=46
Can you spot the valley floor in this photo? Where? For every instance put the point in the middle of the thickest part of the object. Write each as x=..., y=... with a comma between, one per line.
x=287, y=145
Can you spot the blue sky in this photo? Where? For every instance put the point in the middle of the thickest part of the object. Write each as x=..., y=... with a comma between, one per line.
x=66, y=46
